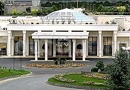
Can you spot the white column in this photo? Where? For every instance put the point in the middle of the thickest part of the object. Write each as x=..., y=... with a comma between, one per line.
x=27, y=45
x=84, y=49
x=38, y=48
x=12, y=46
x=36, y=56
x=87, y=47
x=69, y=48
x=74, y=45
x=24, y=43
x=115, y=41
x=54, y=47
x=9, y=44
x=100, y=43
x=46, y=50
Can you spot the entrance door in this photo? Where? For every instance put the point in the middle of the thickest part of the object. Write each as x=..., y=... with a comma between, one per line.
x=62, y=47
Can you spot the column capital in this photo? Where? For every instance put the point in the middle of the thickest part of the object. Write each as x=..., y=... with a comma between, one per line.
x=36, y=40
x=100, y=32
x=74, y=40
x=24, y=32
x=115, y=32
x=9, y=32
x=46, y=40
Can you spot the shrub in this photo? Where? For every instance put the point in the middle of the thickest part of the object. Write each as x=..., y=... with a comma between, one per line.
x=60, y=61
x=94, y=69
x=118, y=72
x=100, y=65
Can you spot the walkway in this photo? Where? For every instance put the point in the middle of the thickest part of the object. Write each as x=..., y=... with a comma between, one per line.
x=37, y=80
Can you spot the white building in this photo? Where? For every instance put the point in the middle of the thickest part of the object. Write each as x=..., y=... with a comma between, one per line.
x=64, y=33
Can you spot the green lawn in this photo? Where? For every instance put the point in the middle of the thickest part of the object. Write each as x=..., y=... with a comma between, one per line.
x=79, y=80
x=7, y=72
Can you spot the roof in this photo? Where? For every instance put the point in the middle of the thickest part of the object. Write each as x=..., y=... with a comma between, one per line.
x=68, y=14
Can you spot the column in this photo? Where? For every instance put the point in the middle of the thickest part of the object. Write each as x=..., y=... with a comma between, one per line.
x=9, y=44
x=24, y=43
x=115, y=41
x=69, y=48
x=38, y=48
x=12, y=41
x=36, y=53
x=27, y=45
x=74, y=45
x=87, y=47
x=46, y=50
x=100, y=43
x=84, y=49
x=54, y=47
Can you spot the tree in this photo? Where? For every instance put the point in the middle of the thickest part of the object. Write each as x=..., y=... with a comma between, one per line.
x=1, y=8
x=118, y=73
x=14, y=12
x=121, y=8
x=100, y=8
x=34, y=12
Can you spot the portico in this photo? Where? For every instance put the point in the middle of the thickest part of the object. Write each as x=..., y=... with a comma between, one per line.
x=83, y=36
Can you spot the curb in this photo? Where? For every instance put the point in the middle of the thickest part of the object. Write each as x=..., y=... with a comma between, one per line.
x=73, y=86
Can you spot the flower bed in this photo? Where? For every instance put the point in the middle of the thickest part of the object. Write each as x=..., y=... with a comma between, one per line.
x=95, y=75
x=62, y=79
x=68, y=65
x=92, y=83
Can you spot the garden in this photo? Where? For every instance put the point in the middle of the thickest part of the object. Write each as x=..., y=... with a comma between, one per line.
x=94, y=79
x=114, y=76
x=57, y=63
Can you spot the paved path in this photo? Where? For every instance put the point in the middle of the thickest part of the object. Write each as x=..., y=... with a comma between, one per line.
x=37, y=80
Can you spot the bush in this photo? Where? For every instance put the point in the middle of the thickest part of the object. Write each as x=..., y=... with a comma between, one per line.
x=60, y=61
x=100, y=65
x=94, y=69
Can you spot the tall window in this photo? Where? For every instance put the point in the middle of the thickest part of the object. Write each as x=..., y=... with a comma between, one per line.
x=107, y=46
x=92, y=46
x=18, y=45
x=31, y=46
x=3, y=49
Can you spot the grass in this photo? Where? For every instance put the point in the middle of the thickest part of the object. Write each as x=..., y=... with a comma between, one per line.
x=7, y=72
x=79, y=81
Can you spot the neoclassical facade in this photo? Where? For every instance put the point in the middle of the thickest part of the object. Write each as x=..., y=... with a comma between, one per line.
x=63, y=33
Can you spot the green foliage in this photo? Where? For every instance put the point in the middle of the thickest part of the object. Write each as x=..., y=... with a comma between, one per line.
x=100, y=65
x=100, y=8
x=60, y=61
x=78, y=81
x=95, y=69
x=118, y=73
x=4, y=72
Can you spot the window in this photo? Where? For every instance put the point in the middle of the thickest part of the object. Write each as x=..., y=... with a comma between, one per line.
x=18, y=45
x=3, y=49
x=92, y=46
x=107, y=46
x=31, y=46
